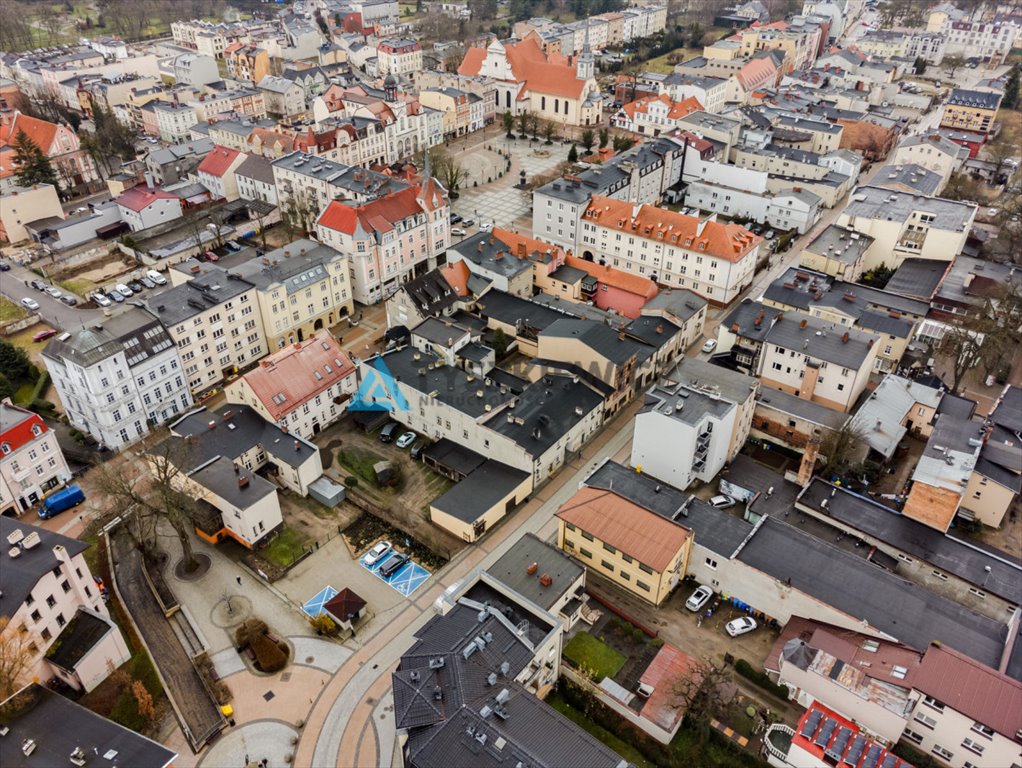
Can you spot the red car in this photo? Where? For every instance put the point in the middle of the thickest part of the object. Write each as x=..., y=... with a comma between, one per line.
x=44, y=334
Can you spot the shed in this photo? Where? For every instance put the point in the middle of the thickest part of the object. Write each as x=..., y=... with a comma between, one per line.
x=346, y=609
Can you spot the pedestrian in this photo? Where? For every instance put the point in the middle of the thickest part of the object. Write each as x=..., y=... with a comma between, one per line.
x=238, y=578
x=246, y=760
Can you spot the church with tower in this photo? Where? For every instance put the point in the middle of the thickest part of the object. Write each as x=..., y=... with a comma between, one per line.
x=554, y=87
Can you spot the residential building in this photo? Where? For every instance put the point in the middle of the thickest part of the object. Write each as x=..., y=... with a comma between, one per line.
x=970, y=110
x=247, y=61
x=897, y=407
x=793, y=423
x=636, y=549
x=217, y=170
x=996, y=481
x=302, y=387
x=510, y=262
x=31, y=462
x=169, y=165
x=317, y=181
x=529, y=80
x=74, y=166
x=904, y=225
x=652, y=116
x=118, y=377
x=463, y=112
x=391, y=239
x=434, y=294
x=480, y=500
x=797, y=208
x=173, y=122
x=817, y=361
x=839, y=252
x=283, y=97
x=910, y=178
x=31, y=712
x=23, y=205
x=743, y=333
x=191, y=69
x=711, y=92
x=398, y=56
x=715, y=260
x=143, y=207
x=244, y=102
x=254, y=178
x=606, y=287
x=977, y=38
x=215, y=321
x=933, y=152
x=48, y=595
x=524, y=612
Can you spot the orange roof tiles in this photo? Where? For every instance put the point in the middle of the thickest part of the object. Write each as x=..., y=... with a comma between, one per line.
x=932, y=506
x=296, y=374
x=731, y=242
x=381, y=214
x=676, y=109
x=530, y=66
x=669, y=667
x=520, y=245
x=457, y=275
x=616, y=278
x=41, y=132
x=218, y=161
x=652, y=540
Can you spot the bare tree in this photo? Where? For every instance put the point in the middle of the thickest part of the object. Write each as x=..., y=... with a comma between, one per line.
x=549, y=131
x=152, y=490
x=842, y=449
x=952, y=64
x=298, y=214
x=706, y=691
x=17, y=653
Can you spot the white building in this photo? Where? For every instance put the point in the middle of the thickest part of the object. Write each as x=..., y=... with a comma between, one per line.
x=141, y=207
x=216, y=172
x=715, y=260
x=302, y=388
x=398, y=56
x=282, y=97
x=174, y=121
x=255, y=180
x=118, y=377
x=979, y=38
x=31, y=462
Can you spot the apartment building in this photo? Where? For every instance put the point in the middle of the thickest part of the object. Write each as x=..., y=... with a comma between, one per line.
x=47, y=592
x=217, y=170
x=283, y=97
x=996, y=482
x=171, y=164
x=74, y=166
x=463, y=112
x=141, y=207
x=905, y=225
x=978, y=38
x=317, y=181
x=118, y=377
x=839, y=252
x=391, y=239
x=302, y=387
x=214, y=319
x=638, y=550
x=245, y=102
x=933, y=152
x=172, y=122
x=23, y=205
x=255, y=180
x=716, y=261
x=31, y=462
x=653, y=115
x=817, y=361
x=247, y=62
x=968, y=110
x=398, y=56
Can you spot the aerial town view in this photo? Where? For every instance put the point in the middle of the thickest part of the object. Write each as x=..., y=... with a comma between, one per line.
x=511, y=384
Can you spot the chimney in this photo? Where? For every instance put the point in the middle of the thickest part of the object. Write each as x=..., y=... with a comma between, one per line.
x=546, y=580
x=243, y=481
x=531, y=570
x=212, y=424
x=805, y=469
x=804, y=323
x=844, y=338
x=298, y=446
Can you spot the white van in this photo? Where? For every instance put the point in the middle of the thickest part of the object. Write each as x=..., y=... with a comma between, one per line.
x=156, y=277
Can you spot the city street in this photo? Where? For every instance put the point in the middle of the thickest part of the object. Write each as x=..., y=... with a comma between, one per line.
x=14, y=286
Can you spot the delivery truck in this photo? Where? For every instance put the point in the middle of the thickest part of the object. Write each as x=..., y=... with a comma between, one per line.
x=56, y=503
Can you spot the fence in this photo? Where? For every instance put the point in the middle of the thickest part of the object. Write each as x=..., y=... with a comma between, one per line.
x=14, y=326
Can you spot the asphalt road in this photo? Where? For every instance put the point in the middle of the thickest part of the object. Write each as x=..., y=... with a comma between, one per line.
x=13, y=285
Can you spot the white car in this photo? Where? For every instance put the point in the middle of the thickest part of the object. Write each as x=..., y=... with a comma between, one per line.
x=699, y=598
x=102, y=300
x=156, y=277
x=124, y=290
x=457, y=232
x=710, y=345
x=54, y=292
x=377, y=553
x=406, y=439
x=30, y=303
x=486, y=226
x=740, y=626
x=722, y=502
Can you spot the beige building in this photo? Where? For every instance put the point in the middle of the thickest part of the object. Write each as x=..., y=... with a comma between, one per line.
x=933, y=152
x=638, y=550
x=23, y=205
x=839, y=252
x=996, y=481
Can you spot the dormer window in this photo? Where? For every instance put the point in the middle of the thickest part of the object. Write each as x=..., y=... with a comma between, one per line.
x=5, y=448
x=36, y=430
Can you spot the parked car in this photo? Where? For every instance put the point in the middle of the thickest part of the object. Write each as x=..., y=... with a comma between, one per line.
x=135, y=286
x=124, y=290
x=43, y=335
x=377, y=553
x=39, y=285
x=710, y=345
x=769, y=234
x=699, y=598
x=486, y=226
x=722, y=502
x=4, y=266
x=114, y=295
x=30, y=303
x=740, y=626
x=212, y=256
x=387, y=433
x=146, y=282
x=101, y=299
x=455, y=218
x=156, y=277
x=234, y=246
x=60, y=501
x=54, y=292
x=458, y=232
x=69, y=300
x=406, y=439
x=468, y=223
x=417, y=450
x=393, y=564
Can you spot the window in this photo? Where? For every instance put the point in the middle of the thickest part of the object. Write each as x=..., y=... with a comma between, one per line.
x=66, y=586
x=585, y=553
x=624, y=576
x=925, y=720
x=645, y=568
x=983, y=730
x=944, y=754
x=973, y=746
x=46, y=634
x=607, y=566
x=626, y=558
x=642, y=585
x=587, y=536
x=711, y=563
x=609, y=548
x=50, y=601
x=61, y=621
x=913, y=736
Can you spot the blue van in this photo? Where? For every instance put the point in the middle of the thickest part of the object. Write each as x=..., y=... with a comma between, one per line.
x=60, y=501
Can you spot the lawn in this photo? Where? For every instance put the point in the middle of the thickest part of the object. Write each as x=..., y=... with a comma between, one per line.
x=591, y=653
x=78, y=285
x=623, y=748
x=10, y=311
x=286, y=547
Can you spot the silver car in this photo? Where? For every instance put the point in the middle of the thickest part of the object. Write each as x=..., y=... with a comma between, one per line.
x=377, y=553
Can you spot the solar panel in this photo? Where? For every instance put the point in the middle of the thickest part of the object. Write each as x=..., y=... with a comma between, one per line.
x=890, y=761
x=872, y=757
x=843, y=736
x=826, y=732
x=858, y=744
x=811, y=724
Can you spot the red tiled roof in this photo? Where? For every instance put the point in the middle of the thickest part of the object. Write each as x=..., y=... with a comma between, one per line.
x=139, y=198
x=676, y=109
x=381, y=214
x=646, y=536
x=41, y=132
x=530, y=66
x=669, y=668
x=218, y=161
x=731, y=242
x=616, y=278
x=457, y=275
x=19, y=424
x=522, y=246
x=299, y=373
x=974, y=689
x=344, y=604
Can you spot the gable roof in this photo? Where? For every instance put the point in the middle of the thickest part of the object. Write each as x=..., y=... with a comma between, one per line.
x=19, y=575
x=18, y=426
x=635, y=531
x=218, y=162
x=530, y=67
x=41, y=132
x=675, y=109
x=139, y=198
x=379, y=215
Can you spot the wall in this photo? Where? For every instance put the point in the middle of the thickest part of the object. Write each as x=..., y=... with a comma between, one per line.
x=490, y=517
x=949, y=729
x=111, y=652
x=987, y=500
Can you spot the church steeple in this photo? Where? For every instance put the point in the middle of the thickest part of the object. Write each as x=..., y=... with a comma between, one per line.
x=586, y=67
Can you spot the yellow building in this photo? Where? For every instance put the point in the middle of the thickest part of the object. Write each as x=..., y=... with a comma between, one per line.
x=971, y=110
x=638, y=550
x=22, y=205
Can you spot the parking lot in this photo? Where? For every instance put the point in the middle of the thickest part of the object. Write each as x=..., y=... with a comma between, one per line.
x=405, y=579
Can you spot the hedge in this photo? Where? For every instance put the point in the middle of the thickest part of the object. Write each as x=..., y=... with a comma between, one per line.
x=760, y=678
x=269, y=656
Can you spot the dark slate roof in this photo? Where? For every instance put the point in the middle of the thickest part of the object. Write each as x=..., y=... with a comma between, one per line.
x=220, y=477
x=19, y=575
x=485, y=487
x=516, y=311
x=475, y=352
x=800, y=407
x=79, y=637
x=906, y=611
x=431, y=293
x=295, y=266
x=569, y=275
x=602, y=340
x=652, y=330
x=440, y=331
x=545, y=412
x=917, y=277
x=680, y=302
x=921, y=541
x=910, y=175
x=453, y=456
x=203, y=292
x=822, y=340
x=236, y=434
x=979, y=99
x=744, y=316
x=491, y=254
x=512, y=570
x=135, y=332
x=256, y=167
x=898, y=327
x=36, y=710
x=1008, y=413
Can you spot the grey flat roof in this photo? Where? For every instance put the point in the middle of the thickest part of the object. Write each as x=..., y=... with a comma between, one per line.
x=512, y=570
x=480, y=491
x=18, y=576
x=511, y=309
x=685, y=404
x=680, y=302
x=79, y=636
x=490, y=253
x=453, y=456
x=58, y=726
x=203, y=292
x=219, y=477
x=702, y=374
x=945, y=552
x=840, y=243
x=747, y=473
x=918, y=278
x=902, y=609
x=910, y=175
x=439, y=331
x=891, y=205
x=1008, y=413
x=822, y=340
x=811, y=411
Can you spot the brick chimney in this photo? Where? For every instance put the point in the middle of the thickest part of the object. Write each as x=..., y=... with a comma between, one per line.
x=805, y=469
